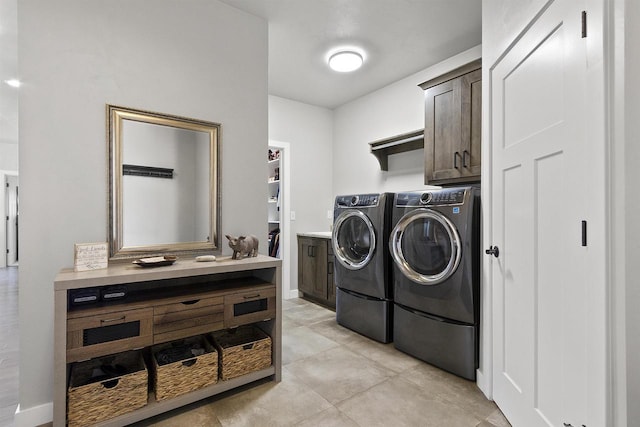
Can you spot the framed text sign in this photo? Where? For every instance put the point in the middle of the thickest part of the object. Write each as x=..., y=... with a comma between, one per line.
x=90, y=256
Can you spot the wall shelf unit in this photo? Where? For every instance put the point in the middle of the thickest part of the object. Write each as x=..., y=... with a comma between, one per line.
x=383, y=148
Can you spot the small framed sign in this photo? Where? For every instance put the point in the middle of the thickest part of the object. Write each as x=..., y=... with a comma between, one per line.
x=90, y=256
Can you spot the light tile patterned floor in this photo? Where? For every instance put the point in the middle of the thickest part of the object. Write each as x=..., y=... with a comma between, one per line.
x=332, y=377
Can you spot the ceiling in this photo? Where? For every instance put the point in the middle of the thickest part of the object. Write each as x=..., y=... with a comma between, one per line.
x=400, y=38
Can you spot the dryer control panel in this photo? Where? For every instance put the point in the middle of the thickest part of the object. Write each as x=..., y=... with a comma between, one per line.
x=446, y=196
x=358, y=200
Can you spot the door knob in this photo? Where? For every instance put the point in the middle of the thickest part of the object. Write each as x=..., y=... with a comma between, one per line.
x=493, y=250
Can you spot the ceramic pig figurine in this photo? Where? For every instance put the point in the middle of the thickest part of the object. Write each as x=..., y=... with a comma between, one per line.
x=243, y=245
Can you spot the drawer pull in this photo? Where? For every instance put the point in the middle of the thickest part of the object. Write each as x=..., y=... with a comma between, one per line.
x=251, y=296
x=117, y=319
x=248, y=346
x=190, y=302
x=191, y=362
x=111, y=383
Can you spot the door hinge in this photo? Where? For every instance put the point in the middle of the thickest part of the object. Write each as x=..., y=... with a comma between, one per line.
x=584, y=233
x=584, y=23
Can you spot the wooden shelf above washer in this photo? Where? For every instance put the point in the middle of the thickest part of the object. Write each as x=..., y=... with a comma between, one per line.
x=396, y=144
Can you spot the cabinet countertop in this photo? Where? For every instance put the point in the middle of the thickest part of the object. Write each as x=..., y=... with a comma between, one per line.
x=127, y=272
x=319, y=234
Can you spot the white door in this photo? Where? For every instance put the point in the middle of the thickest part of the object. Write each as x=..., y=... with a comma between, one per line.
x=541, y=193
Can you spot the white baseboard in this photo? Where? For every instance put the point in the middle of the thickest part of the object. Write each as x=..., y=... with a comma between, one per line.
x=484, y=384
x=35, y=416
x=293, y=293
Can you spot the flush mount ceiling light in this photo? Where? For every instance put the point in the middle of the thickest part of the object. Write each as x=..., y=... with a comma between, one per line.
x=345, y=61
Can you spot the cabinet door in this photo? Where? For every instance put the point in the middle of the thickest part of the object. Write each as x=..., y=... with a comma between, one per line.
x=442, y=131
x=312, y=265
x=471, y=96
x=331, y=286
x=452, y=130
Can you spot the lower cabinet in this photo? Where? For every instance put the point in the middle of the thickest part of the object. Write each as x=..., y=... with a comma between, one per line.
x=315, y=270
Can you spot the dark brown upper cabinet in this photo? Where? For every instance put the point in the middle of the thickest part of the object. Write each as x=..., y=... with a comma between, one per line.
x=452, y=127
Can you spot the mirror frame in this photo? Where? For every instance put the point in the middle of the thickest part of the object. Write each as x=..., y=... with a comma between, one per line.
x=115, y=117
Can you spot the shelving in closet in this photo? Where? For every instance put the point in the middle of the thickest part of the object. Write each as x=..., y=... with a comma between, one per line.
x=273, y=202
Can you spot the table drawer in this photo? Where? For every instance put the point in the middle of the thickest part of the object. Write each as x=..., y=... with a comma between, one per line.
x=249, y=306
x=108, y=333
x=187, y=318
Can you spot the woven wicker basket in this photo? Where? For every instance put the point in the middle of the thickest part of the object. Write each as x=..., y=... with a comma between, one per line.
x=242, y=350
x=92, y=402
x=186, y=375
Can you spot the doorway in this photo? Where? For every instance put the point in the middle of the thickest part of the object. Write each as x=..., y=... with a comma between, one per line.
x=279, y=208
x=11, y=209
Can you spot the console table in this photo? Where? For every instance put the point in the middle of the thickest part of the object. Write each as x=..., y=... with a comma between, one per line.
x=200, y=296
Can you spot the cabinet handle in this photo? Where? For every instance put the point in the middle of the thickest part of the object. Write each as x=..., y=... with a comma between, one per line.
x=330, y=269
x=455, y=159
x=193, y=301
x=251, y=296
x=113, y=320
x=465, y=153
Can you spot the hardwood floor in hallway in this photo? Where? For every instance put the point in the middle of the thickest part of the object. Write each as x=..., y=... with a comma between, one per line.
x=9, y=345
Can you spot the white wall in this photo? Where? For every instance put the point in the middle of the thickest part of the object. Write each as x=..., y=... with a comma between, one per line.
x=193, y=58
x=309, y=131
x=392, y=110
x=9, y=156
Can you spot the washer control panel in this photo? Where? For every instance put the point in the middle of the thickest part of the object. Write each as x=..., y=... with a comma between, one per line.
x=358, y=200
x=445, y=196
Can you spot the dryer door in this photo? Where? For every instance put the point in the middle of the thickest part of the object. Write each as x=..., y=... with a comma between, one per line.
x=425, y=246
x=354, y=239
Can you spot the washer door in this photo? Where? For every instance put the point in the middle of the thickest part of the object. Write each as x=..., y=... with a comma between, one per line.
x=354, y=239
x=425, y=246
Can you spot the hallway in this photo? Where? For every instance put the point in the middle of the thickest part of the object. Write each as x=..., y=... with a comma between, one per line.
x=9, y=345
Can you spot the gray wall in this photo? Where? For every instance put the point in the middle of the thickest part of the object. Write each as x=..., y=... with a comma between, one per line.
x=9, y=156
x=625, y=169
x=193, y=58
x=309, y=131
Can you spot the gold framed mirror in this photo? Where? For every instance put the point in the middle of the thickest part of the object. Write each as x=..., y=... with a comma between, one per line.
x=163, y=184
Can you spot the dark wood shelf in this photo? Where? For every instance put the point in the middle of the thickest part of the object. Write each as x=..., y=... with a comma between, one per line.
x=383, y=148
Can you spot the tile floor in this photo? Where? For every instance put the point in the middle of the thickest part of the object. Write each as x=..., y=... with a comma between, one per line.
x=334, y=377
x=331, y=377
